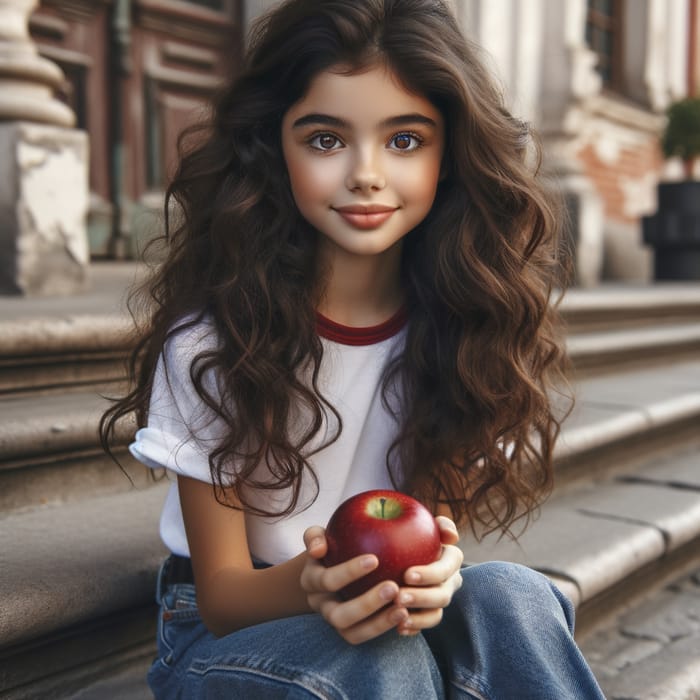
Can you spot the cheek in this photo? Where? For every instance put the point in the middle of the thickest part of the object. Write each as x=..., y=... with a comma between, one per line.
x=420, y=184
x=310, y=181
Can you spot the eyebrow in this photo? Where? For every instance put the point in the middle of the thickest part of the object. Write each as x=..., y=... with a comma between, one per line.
x=338, y=123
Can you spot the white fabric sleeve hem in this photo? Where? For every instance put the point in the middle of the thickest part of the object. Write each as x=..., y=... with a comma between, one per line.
x=158, y=449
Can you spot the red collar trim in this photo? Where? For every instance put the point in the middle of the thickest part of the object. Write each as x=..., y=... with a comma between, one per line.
x=349, y=335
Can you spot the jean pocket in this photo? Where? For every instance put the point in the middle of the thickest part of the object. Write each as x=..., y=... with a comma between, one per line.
x=178, y=616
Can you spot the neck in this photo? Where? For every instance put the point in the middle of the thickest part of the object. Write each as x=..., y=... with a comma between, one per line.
x=361, y=290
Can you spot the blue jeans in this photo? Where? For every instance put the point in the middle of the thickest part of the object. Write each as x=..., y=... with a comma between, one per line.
x=506, y=635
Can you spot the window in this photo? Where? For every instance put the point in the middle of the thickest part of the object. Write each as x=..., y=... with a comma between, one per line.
x=604, y=32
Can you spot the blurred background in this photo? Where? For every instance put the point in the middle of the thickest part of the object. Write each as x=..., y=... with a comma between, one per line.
x=595, y=78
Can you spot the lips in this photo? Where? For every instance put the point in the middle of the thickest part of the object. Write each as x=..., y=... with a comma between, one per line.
x=365, y=217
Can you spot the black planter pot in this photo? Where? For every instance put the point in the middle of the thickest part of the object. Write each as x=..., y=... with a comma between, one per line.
x=674, y=231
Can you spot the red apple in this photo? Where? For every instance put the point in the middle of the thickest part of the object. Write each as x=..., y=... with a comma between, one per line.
x=398, y=529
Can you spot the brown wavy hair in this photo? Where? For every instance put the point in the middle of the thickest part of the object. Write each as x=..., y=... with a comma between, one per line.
x=482, y=347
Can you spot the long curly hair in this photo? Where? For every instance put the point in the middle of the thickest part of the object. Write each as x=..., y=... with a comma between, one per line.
x=480, y=272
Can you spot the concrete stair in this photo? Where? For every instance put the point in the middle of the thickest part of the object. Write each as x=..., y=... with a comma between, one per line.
x=62, y=355
x=620, y=534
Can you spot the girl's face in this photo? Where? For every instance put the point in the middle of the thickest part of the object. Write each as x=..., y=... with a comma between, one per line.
x=363, y=156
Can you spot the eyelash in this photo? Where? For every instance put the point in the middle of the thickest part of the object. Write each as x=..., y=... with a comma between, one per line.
x=310, y=141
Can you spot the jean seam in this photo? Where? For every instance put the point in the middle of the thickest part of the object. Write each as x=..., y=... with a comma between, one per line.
x=471, y=690
x=472, y=685
x=320, y=694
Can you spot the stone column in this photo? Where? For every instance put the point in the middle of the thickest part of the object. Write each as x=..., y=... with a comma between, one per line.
x=43, y=170
x=569, y=81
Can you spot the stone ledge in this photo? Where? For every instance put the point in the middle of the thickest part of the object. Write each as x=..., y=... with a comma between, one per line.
x=77, y=657
x=608, y=410
x=112, y=332
x=631, y=298
x=596, y=535
x=46, y=425
x=70, y=334
x=590, y=346
x=66, y=565
x=625, y=425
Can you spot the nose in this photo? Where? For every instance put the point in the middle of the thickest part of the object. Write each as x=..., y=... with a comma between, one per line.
x=365, y=174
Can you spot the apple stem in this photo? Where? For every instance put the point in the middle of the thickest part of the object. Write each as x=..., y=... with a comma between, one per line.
x=383, y=502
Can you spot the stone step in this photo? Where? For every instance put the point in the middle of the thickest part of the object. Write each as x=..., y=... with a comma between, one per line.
x=628, y=306
x=628, y=413
x=78, y=582
x=84, y=347
x=607, y=540
x=68, y=353
x=78, y=353
x=50, y=451
x=651, y=650
x=126, y=684
x=594, y=352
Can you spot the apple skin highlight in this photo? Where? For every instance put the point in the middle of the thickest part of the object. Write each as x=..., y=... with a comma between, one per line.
x=398, y=529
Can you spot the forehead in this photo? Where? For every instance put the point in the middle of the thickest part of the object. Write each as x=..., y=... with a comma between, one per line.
x=370, y=95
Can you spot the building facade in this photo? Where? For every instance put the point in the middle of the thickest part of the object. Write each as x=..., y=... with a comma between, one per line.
x=594, y=77
x=136, y=73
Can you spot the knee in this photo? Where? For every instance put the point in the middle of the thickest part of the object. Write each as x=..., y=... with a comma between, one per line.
x=504, y=589
x=503, y=578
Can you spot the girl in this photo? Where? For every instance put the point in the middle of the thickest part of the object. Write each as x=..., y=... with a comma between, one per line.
x=356, y=296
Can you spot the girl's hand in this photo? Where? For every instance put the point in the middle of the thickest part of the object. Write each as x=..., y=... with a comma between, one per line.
x=357, y=620
x=430, y=588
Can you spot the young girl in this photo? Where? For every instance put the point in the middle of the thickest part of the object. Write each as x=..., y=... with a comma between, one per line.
x=356, y=295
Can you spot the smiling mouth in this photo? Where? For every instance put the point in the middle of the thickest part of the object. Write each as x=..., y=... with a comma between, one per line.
x=365, y=217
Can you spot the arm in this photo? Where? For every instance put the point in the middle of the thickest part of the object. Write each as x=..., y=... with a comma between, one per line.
x=231, y=594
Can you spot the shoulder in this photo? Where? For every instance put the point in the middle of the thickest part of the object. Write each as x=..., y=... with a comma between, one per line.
x=188, y=338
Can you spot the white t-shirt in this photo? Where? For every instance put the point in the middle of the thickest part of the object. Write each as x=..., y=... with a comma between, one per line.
x=182, y=431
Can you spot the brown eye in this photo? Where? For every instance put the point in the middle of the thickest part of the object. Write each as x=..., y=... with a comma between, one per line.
x=324, y=142
x=405, y=142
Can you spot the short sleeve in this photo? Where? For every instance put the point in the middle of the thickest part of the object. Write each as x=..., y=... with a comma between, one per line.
x=182, y=430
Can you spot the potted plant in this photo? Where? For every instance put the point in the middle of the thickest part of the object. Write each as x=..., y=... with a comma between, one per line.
x=674, y=230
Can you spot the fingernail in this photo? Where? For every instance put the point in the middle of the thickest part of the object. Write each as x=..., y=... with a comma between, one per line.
x=398, y=616
x=387, y=593
x=368, y=562
x=414, y=577
x=315, y=542
x=406, y=599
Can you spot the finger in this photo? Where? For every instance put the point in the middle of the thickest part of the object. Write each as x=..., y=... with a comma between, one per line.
x=449, y=563
x=315, y=541
x=375, y=626
x=428, y=597
x=448, y=530
x=420, y=620
x=347, y=614
x=367, y=616
x=334, y=578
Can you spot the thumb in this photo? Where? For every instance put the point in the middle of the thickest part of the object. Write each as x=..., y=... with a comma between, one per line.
x=315, y=541
x=448, y=530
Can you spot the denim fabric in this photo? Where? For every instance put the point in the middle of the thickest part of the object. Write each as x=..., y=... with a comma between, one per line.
x=507, y=635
